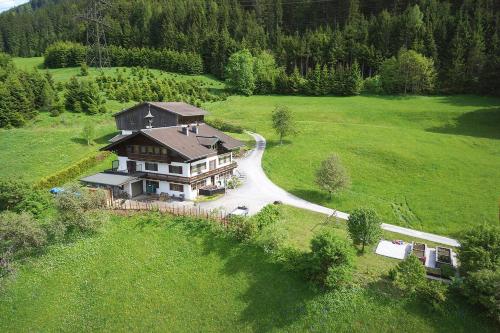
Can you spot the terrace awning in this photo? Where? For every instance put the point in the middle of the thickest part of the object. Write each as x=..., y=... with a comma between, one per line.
x=108, y=179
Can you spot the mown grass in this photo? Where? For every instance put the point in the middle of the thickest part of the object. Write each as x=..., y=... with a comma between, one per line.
x=428, y=163
x=50, y=144
x=139, y=274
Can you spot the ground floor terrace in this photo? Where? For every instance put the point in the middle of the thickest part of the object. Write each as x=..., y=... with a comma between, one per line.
x=161, y=187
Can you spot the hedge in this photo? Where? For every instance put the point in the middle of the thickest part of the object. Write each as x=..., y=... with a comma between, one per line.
x=67, y=174
x=66, y=54
x=224, y=126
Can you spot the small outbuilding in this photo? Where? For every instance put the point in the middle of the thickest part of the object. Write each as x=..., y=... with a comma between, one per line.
x=119, y=185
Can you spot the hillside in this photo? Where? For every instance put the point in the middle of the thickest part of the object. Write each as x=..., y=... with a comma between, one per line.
x=462, y=37
x=146, y=273
x=422, y=162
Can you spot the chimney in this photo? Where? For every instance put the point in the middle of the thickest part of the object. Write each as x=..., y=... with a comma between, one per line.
x=194, y=128
x=185, y=130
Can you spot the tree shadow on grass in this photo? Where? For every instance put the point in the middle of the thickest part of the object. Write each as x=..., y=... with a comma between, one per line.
x=315, y=196
x=275, y=298
x=276, y=143
x=99, y=141
x=483, y=123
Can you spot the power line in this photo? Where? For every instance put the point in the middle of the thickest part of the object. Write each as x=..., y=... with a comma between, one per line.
x=97, y=56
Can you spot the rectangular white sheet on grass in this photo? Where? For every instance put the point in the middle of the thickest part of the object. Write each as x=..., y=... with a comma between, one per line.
x=391, y=250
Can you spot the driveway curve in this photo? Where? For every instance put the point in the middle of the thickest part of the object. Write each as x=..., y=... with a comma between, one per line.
x=258, y=190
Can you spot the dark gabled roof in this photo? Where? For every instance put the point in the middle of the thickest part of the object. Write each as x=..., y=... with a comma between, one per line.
x=118, y=137
x=180, y=108
x=190, y=146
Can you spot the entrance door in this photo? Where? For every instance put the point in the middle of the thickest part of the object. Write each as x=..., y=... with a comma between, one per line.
x=152, y=186
x=131, y=166
x=136, y=188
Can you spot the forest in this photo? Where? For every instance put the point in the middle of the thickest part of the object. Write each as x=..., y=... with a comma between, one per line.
x=461, y=37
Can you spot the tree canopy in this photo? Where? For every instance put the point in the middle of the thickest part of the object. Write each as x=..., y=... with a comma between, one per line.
x=460, y=37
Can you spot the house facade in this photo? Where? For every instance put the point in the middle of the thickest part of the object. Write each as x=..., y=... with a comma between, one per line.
x=175, y=160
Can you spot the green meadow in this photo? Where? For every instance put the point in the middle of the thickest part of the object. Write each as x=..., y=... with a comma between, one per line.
x=429, y=163
x=144, y=273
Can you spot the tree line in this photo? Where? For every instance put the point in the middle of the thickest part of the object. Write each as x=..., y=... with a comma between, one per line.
x=460, y=36
x=68, y=54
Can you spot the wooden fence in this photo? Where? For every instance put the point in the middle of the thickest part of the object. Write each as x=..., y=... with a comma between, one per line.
x=169, y=208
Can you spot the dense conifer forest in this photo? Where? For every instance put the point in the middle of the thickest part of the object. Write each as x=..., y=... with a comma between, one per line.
x=462, y=37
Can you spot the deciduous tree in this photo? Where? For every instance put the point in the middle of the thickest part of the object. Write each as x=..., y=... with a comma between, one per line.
x=364, y=227
x=283, y=122
x=331, y=175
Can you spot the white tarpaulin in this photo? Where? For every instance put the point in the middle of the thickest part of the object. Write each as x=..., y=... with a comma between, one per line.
x=391, y=250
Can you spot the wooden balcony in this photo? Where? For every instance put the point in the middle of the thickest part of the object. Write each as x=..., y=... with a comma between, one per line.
x=188, y=180
x=149, y=157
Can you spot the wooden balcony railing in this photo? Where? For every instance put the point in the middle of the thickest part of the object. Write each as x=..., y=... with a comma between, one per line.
x=149, y=157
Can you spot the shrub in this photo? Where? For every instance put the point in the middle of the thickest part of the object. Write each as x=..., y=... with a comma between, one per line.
x=479, y=249
x=483, y=287
x=84, y=69
x=242, y=228
x=224, y=126
x=432, y=293
x=364, y=227
x=409, y=275
x=20, y=196
x=267, y=216
x=20, y=232
x=78, y=210
x=271, y=238
x=331, y=261
x=447, y=271
x=372, y=85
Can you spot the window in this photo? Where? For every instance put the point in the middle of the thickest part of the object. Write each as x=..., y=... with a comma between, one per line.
x=151, y=166
x=211, y=165
x=175, y=169
x=157, y=150
x=224, y=159
x=130, y=149
x=198, y=168
x=164, y=151
x=150, y=149
x=143, y=149
x=176, y=187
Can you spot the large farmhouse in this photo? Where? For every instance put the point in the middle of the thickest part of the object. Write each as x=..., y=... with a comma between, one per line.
x=167, y=149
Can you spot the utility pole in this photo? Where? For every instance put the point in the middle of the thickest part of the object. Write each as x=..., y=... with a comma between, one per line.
x=97, y=55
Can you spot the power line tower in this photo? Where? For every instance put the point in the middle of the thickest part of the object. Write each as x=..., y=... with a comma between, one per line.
x=97, y=55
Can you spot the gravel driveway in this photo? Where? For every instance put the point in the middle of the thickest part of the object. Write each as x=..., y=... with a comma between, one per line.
x=258, y=191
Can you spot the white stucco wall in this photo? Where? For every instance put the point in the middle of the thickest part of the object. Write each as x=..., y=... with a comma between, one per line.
x=122, y=163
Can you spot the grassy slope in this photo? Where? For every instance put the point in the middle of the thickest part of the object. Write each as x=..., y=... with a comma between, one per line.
x=138, y=276
x=48, y=144
x=423, y=162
